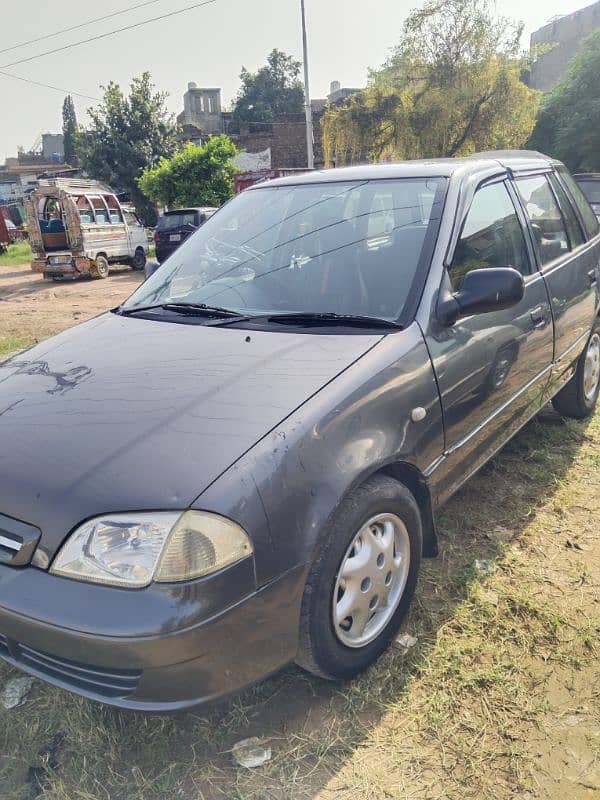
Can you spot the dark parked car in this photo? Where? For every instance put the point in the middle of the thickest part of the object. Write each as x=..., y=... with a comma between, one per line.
x=241, y=466
x=174, y=227
x=589, y=183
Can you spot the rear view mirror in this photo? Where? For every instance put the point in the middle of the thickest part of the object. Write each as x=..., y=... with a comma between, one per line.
x=482, y=291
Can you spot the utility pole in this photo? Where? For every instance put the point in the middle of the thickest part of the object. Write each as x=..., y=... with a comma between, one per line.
x=309, y=121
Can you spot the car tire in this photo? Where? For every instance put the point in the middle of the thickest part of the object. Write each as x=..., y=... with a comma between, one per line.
x=336, y=647
x=138, y=262
x=579, y=397
x=100, y=267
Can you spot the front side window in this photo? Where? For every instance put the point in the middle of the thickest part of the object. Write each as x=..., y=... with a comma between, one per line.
x=491, y=236
x=546, y=220
x=131, y=219
x=345, y=248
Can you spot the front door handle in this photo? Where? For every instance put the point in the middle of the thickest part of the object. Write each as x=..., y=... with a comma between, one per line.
x=537, y=316
x=593, y=276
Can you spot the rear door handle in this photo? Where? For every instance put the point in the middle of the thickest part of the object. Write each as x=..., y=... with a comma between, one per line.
x=593, y=276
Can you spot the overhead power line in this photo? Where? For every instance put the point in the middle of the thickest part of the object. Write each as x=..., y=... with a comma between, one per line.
x=49, y=86
x=80, y=25
x=109, y=33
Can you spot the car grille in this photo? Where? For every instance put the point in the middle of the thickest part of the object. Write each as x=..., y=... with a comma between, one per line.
x=106, y=682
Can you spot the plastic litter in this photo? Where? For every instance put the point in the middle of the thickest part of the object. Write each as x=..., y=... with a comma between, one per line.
x=251, y=753
x=405, y=641
x=15, y=692
x=484, y=567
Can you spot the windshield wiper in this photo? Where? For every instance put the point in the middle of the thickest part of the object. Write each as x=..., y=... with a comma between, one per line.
x=311, y=318
x=192, y=309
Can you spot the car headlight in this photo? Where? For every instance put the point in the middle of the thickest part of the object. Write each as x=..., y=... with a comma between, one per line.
x=132, y=550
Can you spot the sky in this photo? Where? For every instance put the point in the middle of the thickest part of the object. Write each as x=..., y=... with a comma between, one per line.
x=207, y=45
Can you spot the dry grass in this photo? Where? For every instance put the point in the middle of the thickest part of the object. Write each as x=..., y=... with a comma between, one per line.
x=500, y=698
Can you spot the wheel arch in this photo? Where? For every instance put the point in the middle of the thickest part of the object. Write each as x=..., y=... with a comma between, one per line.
x=411, y=477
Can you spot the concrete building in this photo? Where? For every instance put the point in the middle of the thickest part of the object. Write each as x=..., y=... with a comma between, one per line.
x=53, y=147
x=563, y=35
x=202, y=109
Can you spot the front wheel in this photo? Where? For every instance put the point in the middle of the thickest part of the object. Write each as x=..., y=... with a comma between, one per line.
x=362, y=581
x=579, y=397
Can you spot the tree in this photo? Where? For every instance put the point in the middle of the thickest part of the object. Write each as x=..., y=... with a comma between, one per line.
x=70, y=129
x=568, y=125
x=196, y=176
x=275, y=89
x=451, y=87
x=126, y=136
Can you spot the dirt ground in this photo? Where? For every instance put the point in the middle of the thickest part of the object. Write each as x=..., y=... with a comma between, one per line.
x=33, y=308
x=499, y=697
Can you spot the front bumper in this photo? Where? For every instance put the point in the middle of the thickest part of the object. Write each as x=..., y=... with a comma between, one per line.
x=161, y=649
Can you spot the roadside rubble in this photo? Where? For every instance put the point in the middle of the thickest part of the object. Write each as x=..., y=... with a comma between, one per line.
x=15, y=692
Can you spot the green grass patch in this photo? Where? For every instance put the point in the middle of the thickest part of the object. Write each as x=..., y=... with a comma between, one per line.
x=10, y=344
x=19, y=253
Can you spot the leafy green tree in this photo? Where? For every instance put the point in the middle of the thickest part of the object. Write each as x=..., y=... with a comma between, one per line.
x=196, y=176
x=70, y=129
x=452, y=86
x=126, y=136
x=568, y=125
x=275, y=89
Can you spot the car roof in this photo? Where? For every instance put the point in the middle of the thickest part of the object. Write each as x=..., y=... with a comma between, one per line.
x=202, y=209
x=513, y=160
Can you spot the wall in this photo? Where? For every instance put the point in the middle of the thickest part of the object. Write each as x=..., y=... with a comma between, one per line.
x=566, y=33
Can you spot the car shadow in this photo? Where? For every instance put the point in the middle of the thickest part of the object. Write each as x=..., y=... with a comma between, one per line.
x=494, y=507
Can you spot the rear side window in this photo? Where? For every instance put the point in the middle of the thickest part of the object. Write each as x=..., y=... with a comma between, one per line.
x=591, y=189
x=546, y=220
x=590, y=222
x=492, y=236
x=573, y=227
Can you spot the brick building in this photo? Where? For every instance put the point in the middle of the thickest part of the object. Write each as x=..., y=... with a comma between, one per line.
x=281, y=145
x=563, y=36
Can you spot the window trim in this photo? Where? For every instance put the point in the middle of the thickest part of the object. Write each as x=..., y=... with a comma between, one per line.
x=581, y=230
x=497, y=179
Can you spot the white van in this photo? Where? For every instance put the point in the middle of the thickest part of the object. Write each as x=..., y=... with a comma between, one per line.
x=79, y=227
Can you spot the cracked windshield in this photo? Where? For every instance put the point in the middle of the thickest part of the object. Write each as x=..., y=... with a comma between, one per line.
x=349, y=248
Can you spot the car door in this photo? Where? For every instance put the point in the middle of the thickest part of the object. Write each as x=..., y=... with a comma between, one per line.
x=491, y=369
x=567, y=260
x=136, y=235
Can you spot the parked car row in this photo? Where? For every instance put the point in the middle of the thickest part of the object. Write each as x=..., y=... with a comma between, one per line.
x=266, y=429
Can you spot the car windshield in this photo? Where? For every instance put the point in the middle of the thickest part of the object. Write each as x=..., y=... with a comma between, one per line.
x=591, y=190
x=352, y=248
x=169, y=222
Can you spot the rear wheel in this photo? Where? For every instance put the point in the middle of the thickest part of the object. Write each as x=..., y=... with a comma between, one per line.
x=138, y=262
x=579, y=397
x=362, y=581
x=100, y=267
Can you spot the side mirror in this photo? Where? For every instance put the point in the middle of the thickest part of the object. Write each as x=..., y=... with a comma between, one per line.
x=482, y=291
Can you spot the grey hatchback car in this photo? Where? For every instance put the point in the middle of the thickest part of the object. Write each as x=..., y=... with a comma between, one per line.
x=240, y=466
